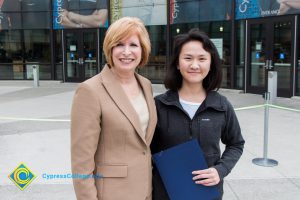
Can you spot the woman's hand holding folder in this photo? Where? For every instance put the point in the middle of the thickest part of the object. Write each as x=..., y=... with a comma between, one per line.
x=206, y=177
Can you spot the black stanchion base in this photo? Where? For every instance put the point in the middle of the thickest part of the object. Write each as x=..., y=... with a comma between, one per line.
x=266, y=162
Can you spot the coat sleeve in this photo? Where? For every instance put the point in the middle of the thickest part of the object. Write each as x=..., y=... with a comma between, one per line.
x=85, y=132
x=234, y=143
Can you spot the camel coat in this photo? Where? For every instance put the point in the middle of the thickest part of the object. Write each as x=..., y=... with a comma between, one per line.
x=107, y=141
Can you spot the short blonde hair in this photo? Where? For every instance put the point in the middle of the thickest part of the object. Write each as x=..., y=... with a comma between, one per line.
x=122, y=29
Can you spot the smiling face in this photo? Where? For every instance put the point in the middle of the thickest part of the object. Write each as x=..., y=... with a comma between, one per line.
x=127, y=54
x=194, y=62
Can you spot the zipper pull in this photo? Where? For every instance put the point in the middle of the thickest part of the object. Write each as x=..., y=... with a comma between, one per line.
x=191, y=135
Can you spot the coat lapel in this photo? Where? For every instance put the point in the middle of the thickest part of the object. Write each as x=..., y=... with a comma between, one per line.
x=114, y=89
x=147, y=90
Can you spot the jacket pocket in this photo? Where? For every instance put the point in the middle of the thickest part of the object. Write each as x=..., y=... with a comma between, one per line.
x=112, y=171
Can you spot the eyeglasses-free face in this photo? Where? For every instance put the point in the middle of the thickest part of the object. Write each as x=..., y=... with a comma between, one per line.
x=194, y=62
x=127, y=54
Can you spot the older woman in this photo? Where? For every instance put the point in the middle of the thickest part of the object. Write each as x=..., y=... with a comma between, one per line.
x=113, y=120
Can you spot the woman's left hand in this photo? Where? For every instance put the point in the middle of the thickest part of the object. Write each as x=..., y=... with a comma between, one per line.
x=206, y=177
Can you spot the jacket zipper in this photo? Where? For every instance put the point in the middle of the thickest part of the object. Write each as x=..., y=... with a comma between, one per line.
x=190, y=126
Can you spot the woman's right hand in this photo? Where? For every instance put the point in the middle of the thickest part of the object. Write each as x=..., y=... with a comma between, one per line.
x=206, y=177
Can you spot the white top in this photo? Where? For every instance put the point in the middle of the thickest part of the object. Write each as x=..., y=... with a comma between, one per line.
x=140, y=105
x=189, y=107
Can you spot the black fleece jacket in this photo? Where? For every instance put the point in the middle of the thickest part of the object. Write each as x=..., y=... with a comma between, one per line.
x=214, y=120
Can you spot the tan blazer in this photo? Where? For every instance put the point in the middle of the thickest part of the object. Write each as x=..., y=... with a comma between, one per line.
x=107, y=140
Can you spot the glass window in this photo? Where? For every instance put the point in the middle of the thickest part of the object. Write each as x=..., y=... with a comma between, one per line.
x=156, y=67
x=25, y=5
x=239, y=67
x=188, y=11
x=102, y=58
x=11, y=55
x=37, y=46
x=20, y=50
x=26, y=14
x=219, y=32
x=58, y=55
x=10, y=20
x=35, y=5
x=58, y=47
x=37, y=52
x=36, y=20
x=282, y=53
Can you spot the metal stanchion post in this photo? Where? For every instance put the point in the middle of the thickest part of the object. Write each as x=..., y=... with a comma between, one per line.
x=35, y=72
x=265, y=161
x=272, y=86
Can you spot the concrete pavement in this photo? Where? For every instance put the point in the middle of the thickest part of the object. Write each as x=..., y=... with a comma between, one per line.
x=34, y=129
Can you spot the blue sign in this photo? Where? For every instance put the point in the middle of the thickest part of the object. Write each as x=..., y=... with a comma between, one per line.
x=72, y=55
x=246, y=9
x=58, y=6
x=281, y=56
x=90, y=55
x=257, y=55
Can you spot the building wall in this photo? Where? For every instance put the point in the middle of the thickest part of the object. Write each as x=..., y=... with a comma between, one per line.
x=31, y=32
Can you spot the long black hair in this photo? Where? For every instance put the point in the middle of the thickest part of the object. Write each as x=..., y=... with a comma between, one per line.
x=212, y=81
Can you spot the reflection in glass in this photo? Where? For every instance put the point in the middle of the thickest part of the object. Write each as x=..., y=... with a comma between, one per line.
x=282, y=53
x=102, y=58
x=240, y=55
x=156, y=67
x=58, y=55
x=81, y=54
x=90, y=54
x=72, y=56
x=37, y=51
x=11, y=59
x=37, y=46
x=257, y=54
x=45, y=71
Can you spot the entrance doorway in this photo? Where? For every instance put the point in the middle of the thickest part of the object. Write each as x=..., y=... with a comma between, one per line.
x=270, y=45
x=81, y=54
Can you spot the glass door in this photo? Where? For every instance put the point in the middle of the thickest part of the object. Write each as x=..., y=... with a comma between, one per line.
x=270, y=46
x=81, y=58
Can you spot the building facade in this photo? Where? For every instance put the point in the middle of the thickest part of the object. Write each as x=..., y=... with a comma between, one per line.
x=64, y=38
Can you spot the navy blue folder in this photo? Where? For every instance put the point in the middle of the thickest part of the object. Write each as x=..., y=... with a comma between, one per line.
x=175, y=166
